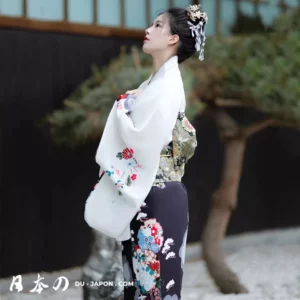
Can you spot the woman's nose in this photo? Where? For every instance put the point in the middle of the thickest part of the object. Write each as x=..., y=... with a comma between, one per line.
x=147, y=31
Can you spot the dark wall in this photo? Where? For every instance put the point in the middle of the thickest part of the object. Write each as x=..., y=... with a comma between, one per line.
x=269, y=190
x=43, y=187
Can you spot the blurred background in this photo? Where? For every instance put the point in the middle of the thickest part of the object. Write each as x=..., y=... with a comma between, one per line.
x=63, y=62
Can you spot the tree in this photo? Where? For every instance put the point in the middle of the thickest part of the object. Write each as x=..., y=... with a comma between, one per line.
x=259, y=72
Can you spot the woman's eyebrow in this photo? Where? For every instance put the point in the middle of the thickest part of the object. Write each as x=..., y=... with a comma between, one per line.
x=157, y=22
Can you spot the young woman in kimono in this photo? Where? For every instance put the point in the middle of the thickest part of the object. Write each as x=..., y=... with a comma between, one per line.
x=142, y=154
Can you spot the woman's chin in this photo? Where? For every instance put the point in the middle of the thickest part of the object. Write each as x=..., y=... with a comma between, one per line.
x=146, y=49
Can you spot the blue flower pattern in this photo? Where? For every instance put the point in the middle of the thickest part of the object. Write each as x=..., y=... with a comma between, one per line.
x=147, y=243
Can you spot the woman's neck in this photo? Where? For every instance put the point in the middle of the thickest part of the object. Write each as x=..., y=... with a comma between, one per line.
x=158, y=61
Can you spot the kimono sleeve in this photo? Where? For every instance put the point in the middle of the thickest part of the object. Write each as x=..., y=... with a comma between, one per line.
x=154, y=123
x=146, y=134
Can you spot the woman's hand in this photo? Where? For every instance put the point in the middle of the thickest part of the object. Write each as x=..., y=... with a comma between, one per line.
x=133, y=92
x=129, y=97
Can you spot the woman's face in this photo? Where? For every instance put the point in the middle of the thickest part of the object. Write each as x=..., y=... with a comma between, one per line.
x=158, y=37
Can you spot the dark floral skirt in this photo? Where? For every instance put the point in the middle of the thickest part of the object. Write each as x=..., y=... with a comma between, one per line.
x=154, y=256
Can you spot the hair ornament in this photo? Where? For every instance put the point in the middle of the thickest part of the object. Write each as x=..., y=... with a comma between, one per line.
x=198, y=31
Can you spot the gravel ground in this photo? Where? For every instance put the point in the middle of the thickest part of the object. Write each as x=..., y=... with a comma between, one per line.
x=269, y=272
x=270, y=269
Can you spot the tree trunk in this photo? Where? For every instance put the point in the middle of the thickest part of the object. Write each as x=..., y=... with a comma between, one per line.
x=224, y=201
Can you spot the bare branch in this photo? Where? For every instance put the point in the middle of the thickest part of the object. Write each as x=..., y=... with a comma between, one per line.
x=229, y=128
x=257, y=127
x=226, y=124
x=269, y=123
x=287, y=124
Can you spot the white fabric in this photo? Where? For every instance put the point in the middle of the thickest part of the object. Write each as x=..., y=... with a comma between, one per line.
x=146, y=131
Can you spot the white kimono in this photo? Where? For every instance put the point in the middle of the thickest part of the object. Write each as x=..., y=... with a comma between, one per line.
x=129, y=151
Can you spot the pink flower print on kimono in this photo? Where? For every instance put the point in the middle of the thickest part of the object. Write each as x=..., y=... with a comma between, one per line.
x=131, y=165
x=144, y=275
x=155, y=294
x=119, y=106
x=148, y=260
x=152, y=262
x=150, y=256
x=150, y=236
x=119, y=184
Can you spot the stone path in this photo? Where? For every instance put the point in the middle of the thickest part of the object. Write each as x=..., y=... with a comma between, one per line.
x=269, y=267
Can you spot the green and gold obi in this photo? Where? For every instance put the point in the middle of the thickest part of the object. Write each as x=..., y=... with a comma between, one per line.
x=173, y=159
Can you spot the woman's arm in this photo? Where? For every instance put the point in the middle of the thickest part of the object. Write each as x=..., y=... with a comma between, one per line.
x=132, y=92
x=155, y=118
x=146, y=135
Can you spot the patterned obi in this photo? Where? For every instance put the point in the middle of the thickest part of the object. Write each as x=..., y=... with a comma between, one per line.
x=175, y=155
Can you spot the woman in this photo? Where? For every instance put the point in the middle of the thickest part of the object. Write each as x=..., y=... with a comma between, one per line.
x=154, y=256
x=143, y=150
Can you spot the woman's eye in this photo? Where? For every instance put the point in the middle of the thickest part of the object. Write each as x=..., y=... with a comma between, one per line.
x=157, y=25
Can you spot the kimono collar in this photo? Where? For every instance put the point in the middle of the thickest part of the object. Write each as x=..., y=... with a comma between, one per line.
x=167, y=66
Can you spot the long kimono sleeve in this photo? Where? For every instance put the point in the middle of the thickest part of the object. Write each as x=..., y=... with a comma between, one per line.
x=146, y=133
x=129, y=151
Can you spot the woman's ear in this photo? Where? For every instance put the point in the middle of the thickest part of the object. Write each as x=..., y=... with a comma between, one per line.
x=174, y=39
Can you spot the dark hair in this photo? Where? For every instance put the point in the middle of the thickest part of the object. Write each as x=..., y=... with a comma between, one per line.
x=178, y=19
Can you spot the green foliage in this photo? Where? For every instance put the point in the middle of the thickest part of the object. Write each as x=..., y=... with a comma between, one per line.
x=194, y=107
x=260, y=70
x=288, y=22
x=85, y=111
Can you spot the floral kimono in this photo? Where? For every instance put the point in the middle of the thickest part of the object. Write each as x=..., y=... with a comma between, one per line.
x=140, y=199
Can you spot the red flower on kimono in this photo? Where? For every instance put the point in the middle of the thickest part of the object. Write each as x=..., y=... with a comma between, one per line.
x=154, y=231
x=157, y=241
x=123, y=96
x=133, y=177
x=154, y=266
x=127, y=153
x=136, y=247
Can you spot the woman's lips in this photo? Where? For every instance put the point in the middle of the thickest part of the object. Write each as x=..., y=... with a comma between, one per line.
x=146, y=39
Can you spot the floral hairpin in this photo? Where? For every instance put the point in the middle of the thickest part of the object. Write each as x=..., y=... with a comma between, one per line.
x=193, y=11
x=198, y=31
